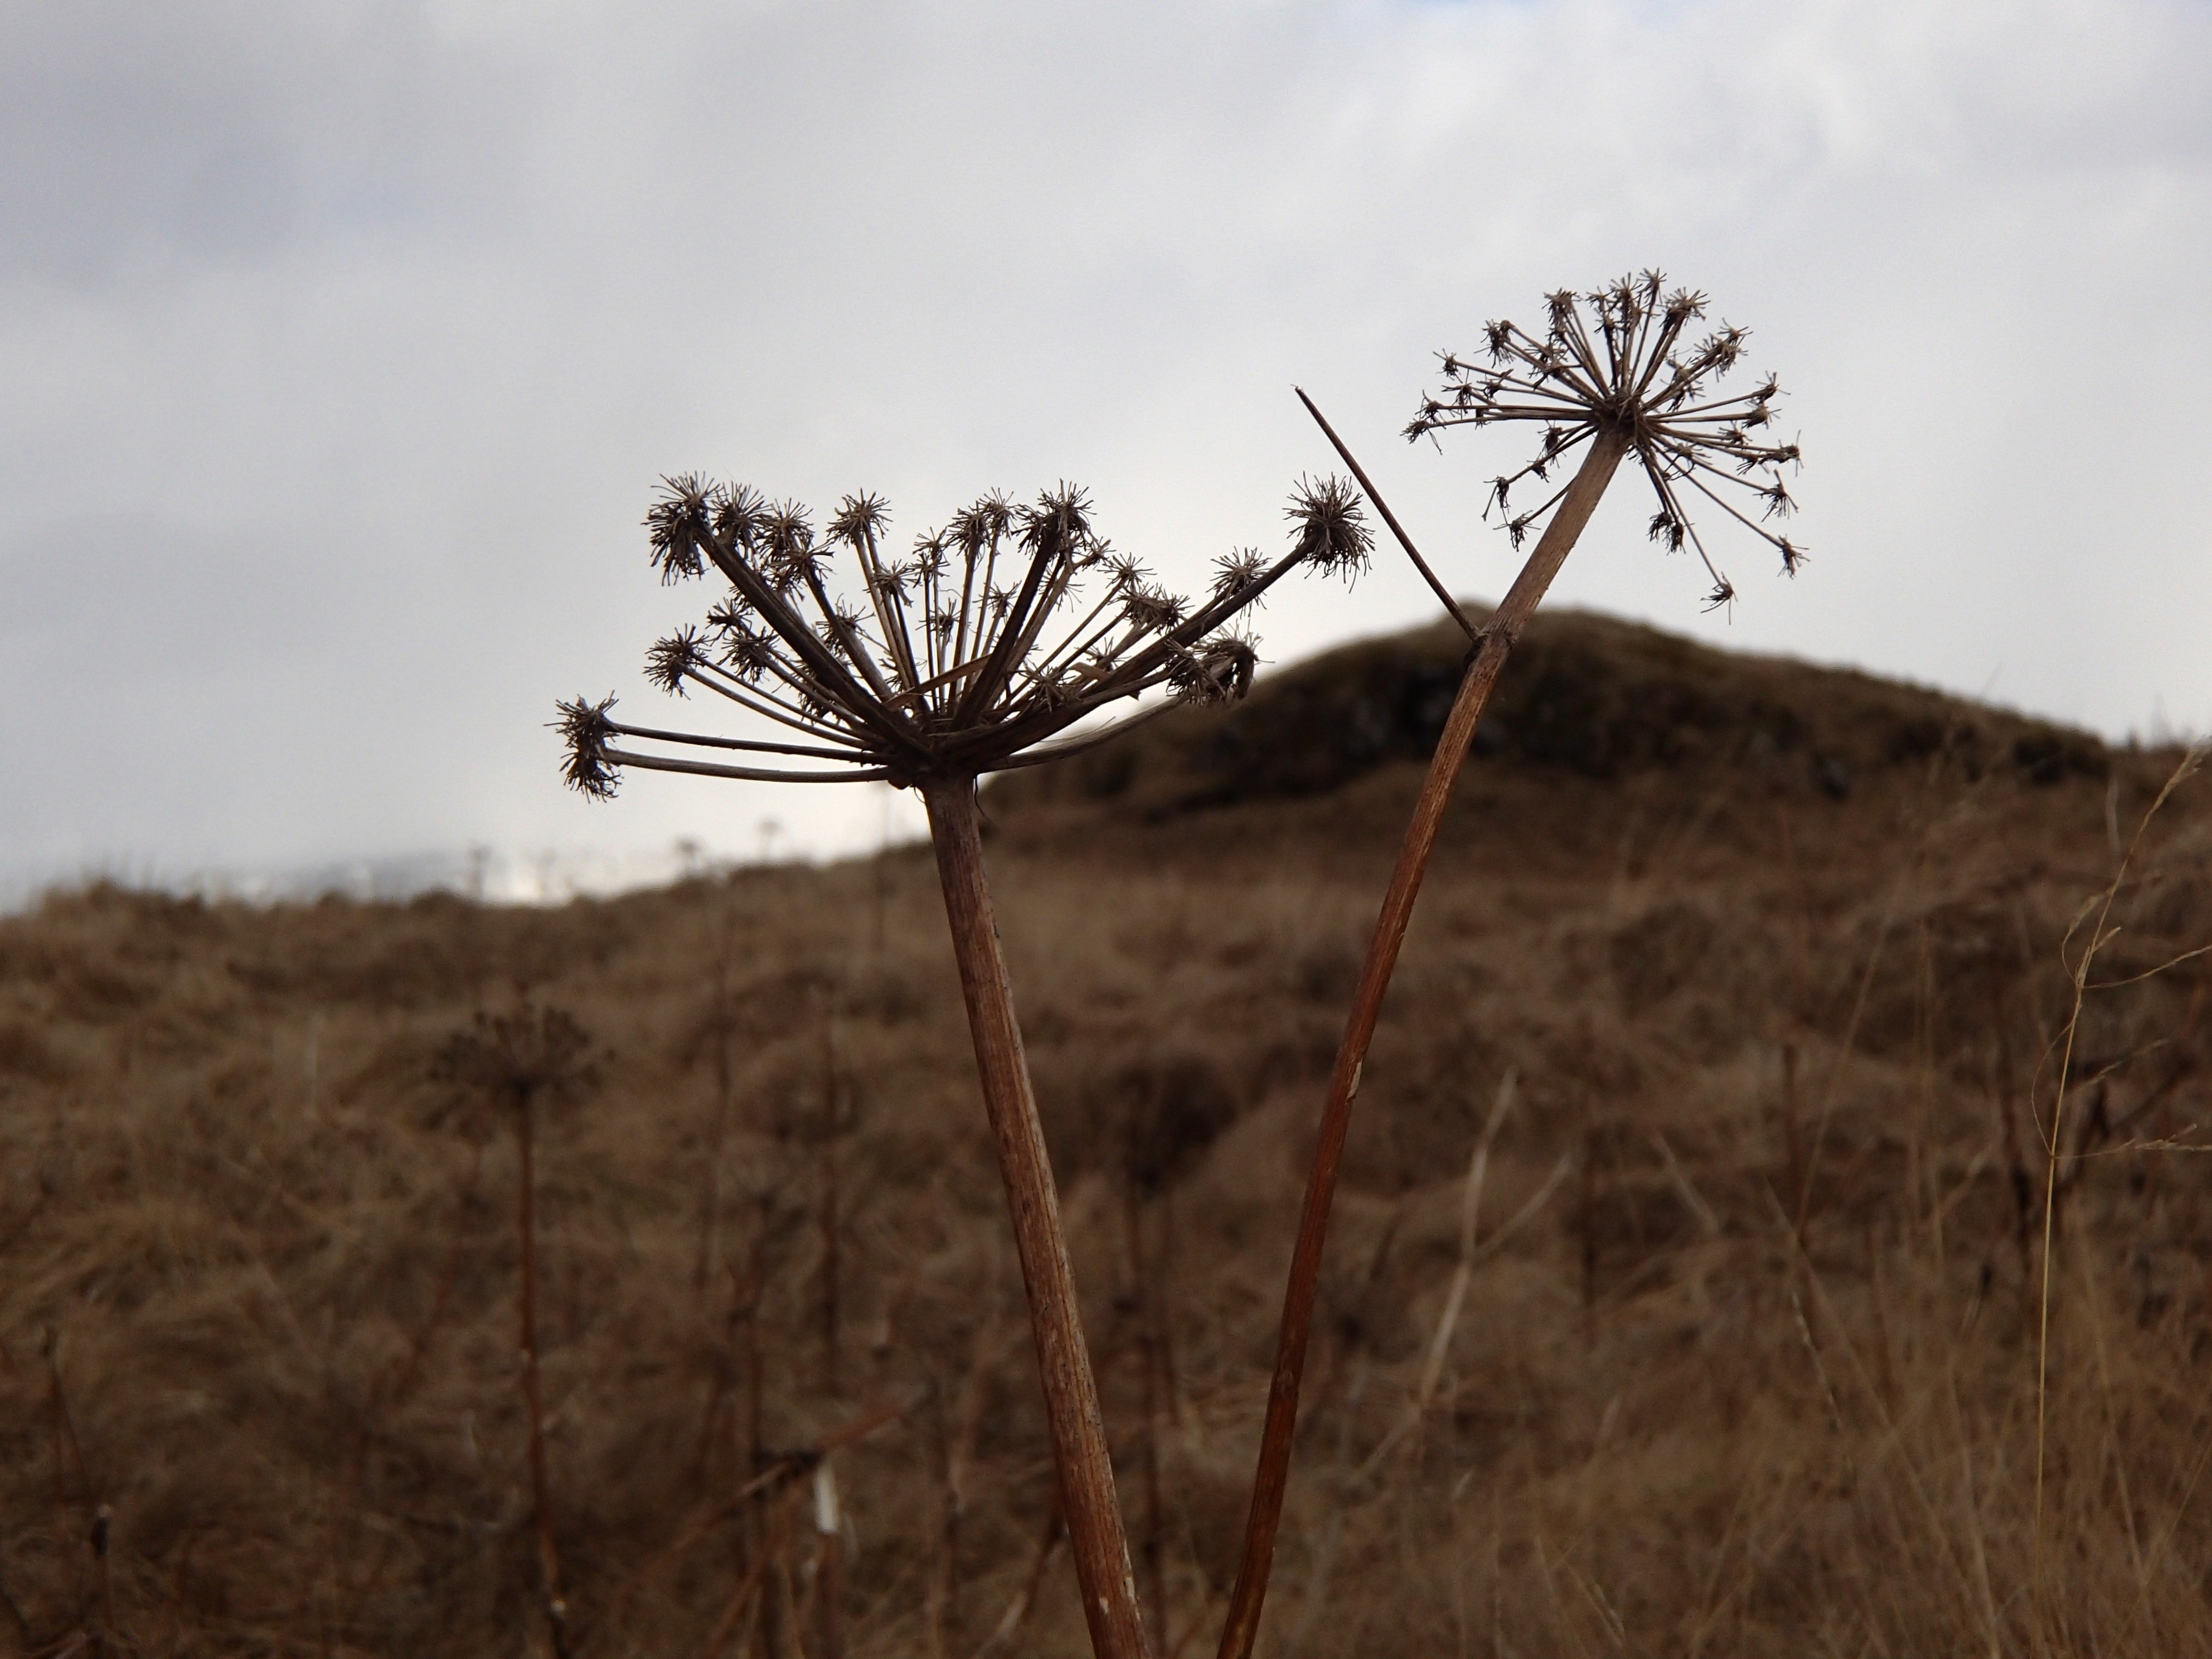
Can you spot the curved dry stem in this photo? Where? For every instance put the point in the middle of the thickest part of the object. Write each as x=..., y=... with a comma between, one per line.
x=1272, y=1477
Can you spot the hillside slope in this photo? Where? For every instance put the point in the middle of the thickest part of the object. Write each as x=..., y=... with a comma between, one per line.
x=1586, y=694
x=1733, y=1351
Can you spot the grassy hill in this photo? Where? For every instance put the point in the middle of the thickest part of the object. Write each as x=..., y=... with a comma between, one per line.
x=1734, y=1349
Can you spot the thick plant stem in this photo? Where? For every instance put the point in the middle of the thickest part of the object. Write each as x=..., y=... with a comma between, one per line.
x=1071, y=1392
x=1496, y=643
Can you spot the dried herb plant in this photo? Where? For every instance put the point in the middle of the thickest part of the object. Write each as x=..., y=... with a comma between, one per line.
x=981, y=648
x=509, y=1065
x=1616, y=374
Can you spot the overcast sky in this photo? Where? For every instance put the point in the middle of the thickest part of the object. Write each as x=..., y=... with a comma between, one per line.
x=342, y=345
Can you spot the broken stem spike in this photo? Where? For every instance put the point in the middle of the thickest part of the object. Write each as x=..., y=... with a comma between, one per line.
x=1389, y=517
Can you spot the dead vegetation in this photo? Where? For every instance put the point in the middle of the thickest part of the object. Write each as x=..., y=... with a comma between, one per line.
x=1737, y=1354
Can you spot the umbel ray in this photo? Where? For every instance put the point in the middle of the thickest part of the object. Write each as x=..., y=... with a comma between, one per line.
x=966, y=655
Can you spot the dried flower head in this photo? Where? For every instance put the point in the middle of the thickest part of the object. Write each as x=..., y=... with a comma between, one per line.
x=513, y=1062
x=988, y=638
x=1332, y=531
x=1620, y=360
x=529, y=1053
x=585, y=730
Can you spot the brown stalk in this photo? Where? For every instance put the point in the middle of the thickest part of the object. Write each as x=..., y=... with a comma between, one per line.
x=1264, y=1518
x=518, y=1062
x=549, y=1556
x=718, y=1022
x=1079, y=1451
x=756, y=1359
x=832, y=1312
x=1164, y=1292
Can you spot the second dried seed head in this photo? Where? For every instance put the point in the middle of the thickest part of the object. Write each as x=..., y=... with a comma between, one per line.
x=1621, y=359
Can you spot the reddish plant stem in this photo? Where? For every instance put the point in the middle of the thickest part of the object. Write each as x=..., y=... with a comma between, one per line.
x=1071, y=1392
x=1496, y=643
x=548, y=1558
x=710, y=1196
x=832, y=1314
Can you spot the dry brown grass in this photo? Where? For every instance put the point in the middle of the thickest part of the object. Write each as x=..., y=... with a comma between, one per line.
x=1757, y=1375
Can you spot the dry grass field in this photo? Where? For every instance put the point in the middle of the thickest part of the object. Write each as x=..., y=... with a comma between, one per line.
x=1684, y=1298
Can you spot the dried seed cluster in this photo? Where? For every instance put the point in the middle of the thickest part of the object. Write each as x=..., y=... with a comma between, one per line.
x=1616, y=360
x=962, y=656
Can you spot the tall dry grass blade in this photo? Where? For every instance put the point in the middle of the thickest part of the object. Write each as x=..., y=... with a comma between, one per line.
x=781, y=1475
x=1463, y=1275
x=1403, y=1433
x=2054, y=1145
x=1016, y=1618
x=740, y=1607
x=1709, y=1224
x=833, y=1332
x=2093, y=1301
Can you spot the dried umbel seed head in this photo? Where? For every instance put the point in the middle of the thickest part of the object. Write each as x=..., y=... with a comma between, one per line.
x=969, y=653
x=1331, y=529
x=586, y=731
x=513, y=1061
x=1620, y=360
x=1216, y=671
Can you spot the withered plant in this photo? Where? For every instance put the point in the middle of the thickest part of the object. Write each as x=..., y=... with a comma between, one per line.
x=1616, y=374
x=981, y=648
x=509, y=1067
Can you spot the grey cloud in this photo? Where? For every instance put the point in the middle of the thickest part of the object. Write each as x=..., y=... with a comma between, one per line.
x=148, y=141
